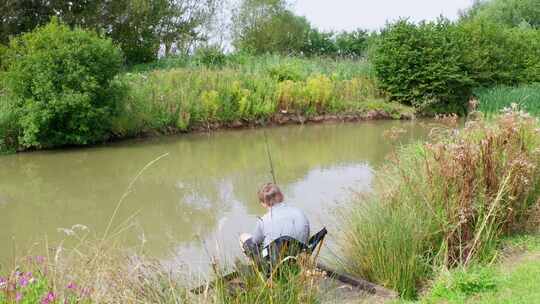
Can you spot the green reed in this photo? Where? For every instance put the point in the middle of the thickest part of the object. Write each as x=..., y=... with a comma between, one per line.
x=446, y=203
x=493, y=100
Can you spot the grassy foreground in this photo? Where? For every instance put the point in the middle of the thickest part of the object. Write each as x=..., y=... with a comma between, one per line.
x=513, y=278
x=446, y=204
x=100, y=270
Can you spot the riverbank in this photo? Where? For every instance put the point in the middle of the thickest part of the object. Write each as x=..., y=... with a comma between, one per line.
x=446, y=203
x=185, y=95
x=511, y=278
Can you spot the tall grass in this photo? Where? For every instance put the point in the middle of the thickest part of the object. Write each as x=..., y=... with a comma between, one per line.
x=493, y=100
x=97, y=271
x=289, y=283
x=247, y=91
x=342, y=68
x=447, y=203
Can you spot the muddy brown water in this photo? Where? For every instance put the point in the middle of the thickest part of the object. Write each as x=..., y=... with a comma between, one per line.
x=197, y=200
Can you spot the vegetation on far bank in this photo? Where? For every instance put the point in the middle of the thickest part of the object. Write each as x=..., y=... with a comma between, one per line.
x=492, y=100
x=53, y=96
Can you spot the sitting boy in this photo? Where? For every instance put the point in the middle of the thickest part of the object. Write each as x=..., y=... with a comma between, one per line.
x=281, y=220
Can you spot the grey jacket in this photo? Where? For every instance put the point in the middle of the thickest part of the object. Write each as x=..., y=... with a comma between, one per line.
x=281, y=220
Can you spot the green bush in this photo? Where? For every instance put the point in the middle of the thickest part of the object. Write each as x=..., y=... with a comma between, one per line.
x=61, y=86
x=3, y=52
x=352, y=44
x=500, y=56
x=211, y=56
x=285, y=72
x=422, y=65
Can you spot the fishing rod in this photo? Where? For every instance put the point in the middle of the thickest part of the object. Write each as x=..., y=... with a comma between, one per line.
x=271, y=163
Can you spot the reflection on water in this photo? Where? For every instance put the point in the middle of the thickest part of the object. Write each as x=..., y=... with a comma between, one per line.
x=202, y=195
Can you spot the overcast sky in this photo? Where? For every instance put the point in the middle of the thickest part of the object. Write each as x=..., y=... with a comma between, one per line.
x=372, y=14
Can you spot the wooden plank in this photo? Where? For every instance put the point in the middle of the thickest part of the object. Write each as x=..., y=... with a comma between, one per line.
x=359, y=283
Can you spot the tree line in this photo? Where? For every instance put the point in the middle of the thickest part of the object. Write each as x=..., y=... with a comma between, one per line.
x=142, y=27
x=139, y=27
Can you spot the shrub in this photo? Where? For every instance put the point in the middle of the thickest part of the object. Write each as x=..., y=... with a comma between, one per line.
x=422, y=65
x=319, y=43
x=261, y=27
x=211, y=56
x=61, y=81
x=285, y=72
x=500, y=56
x=3, y=52
x=352, y=44
x=448, y=203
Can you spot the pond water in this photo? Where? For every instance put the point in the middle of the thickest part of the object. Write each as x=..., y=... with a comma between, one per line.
x=197, y=200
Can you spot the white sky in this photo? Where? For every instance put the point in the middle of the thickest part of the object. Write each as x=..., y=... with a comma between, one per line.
x=373, y=14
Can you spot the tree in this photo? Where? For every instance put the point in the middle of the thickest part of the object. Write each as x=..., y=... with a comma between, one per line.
x=513, y=13
x=320, y=43
x=138, y=26
x=183, y=23
x=352, y=44
x=61, y=86
x=423, y=65
x=268, y=26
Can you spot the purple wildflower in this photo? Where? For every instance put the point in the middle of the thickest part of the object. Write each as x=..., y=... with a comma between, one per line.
x=72, y=286
x=40, y=259
x=3, y=282
x=18, y=297
x=48, y=298
x=23, y=282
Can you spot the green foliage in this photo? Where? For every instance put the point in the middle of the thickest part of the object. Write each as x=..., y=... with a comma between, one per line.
x=9, y=129
x=385, y=244
x=268, y=26
x=211, y=56
x=285, y=72
x=422, y=65
x=3, y=52
x=352, y=44
x=511, y=280
x=291, y=283
x=246, y=89
x=500, y=56
x=61, y=86
x=511, y=13
x=462, y=283
x=319, y=43
x=446, y=204
x=493, y=100
x=344, y=44
x=138, y=26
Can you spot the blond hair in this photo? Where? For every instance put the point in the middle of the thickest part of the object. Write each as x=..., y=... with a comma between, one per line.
x=270, y=194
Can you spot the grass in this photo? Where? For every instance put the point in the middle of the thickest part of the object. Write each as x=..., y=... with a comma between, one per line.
x=301, y=67
x=513, y=279
x=180, y=94
x=446, y=204
x=493, y=100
